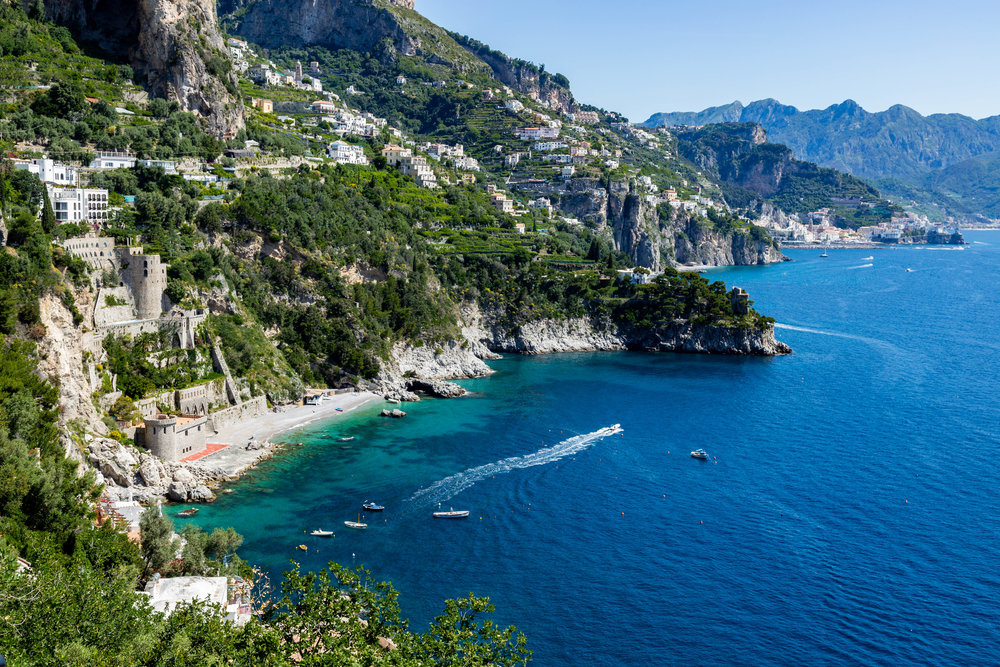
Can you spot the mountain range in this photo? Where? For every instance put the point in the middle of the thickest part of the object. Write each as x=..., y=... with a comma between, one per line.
x=943, y=164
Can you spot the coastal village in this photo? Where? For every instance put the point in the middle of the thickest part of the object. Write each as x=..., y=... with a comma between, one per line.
x=184, y=443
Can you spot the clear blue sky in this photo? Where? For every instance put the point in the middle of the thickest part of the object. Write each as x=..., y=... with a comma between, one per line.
x=640, y=57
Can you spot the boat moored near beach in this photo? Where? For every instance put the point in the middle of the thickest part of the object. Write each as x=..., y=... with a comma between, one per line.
x=190, y=512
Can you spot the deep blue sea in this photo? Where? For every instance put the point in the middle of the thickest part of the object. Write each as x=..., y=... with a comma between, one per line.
x=848, y=513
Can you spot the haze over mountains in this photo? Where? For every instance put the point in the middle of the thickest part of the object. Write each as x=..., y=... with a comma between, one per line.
x=944, y=164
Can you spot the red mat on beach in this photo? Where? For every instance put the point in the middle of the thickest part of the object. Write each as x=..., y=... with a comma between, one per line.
x=209, y=449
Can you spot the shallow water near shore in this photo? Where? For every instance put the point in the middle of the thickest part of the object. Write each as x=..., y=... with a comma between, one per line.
x=847, y=513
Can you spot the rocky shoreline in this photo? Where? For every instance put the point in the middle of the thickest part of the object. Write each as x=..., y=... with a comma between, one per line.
x=413, y=370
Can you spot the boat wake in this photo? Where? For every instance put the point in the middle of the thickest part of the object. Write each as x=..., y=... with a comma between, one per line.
x=863, y=266
x=449, y=487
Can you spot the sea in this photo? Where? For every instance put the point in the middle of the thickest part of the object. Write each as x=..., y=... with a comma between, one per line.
x=848, y=511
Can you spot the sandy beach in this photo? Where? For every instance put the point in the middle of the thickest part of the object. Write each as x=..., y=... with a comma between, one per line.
x=237, y=458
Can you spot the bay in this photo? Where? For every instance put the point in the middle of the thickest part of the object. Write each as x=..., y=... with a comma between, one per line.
x=847, y=513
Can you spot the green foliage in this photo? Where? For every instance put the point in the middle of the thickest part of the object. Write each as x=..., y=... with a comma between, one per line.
x=129, y=358
x=158, y=543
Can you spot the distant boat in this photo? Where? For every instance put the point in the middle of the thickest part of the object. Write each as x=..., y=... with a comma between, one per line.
x=190, y=512
x=373, y=507
x=452, y=514
x=699, y=454
x=824, y=254
x=340, y=409
x=303, y=547
x=358, y=525
x=346, y=438
x=322, y=533
x=909, y=270
x=865, y=259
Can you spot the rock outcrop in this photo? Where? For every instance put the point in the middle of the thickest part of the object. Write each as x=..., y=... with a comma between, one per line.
x=361, y=25
x=174, y=45
x=586, y=334
x=637, y=227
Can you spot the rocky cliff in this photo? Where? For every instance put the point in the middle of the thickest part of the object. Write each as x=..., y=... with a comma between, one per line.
x=362, y=25
x=650, y=239
x=174, y=46
x=583, y=334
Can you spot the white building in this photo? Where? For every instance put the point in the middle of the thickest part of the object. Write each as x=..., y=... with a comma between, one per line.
x=549, y=145
x=168, y=166
x=345, y=153
x=49, y=171
x=79, y=204
x=568, y=171
x=107, y=160
x=165, y=594
x=513, y=105
x=531, y=133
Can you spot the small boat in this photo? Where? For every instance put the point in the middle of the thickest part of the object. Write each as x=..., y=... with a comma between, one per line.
x=452, y=514
x=191, y=511
x=322, y=533
x=699, y=454
x=340, y=409
x=824, y=254
x=346, y=438
x=357, y=525
x=372, y=507
x=909, y=270
x=303, y=547
x=865, y=259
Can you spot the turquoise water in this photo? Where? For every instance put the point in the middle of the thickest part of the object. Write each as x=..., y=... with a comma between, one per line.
x=848, y=512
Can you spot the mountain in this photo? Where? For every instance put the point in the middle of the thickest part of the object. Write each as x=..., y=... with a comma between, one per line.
x=898, y=144
x=739, y=155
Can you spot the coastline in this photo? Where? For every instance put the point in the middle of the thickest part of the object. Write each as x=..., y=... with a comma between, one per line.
x=252, y=441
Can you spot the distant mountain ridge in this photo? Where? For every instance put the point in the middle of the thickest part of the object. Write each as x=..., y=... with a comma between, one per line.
x=898, y=149
x=897, y=143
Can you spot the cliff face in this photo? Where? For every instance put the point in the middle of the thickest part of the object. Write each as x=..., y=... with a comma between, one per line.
x=361, y=25
x=637, y=228
x=585, y=334
x=525, y=78
x=174, y=45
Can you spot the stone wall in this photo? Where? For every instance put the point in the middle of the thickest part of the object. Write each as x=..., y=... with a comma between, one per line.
x=255, y=407
x=105, y=315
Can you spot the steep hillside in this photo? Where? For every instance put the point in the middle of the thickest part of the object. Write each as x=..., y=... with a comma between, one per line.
x=175, y=47
x=898, y=147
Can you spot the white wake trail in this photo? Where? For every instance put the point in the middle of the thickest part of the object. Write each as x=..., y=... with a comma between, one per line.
x=451, y=486
x=863, y=266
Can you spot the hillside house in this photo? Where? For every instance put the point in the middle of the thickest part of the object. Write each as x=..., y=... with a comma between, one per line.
x=49, y=171
x=113, y=160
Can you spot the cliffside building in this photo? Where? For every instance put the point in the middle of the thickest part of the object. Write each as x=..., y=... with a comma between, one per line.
x=49, y=171
x=79, y=204
x=173, y=437
x=111, y=160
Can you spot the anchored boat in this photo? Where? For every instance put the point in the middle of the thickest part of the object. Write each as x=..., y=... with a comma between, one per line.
x=369, y=506
x=452, y=514
x=699, y=454
x=322, y=533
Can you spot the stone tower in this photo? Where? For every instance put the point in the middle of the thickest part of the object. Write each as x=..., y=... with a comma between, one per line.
x=298, y=71
x=161, y=437
x=147, y=277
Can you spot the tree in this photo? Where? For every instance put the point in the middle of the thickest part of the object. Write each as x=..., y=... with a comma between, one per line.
x=158, y=542
x=48, y=215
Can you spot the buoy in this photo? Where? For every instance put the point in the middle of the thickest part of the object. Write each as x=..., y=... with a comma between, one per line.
x=703, y=522
x=664, y=495
x=623, y=513
x=907, y=502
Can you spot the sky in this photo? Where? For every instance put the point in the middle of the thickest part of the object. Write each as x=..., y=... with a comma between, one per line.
x=642, y=57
